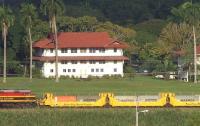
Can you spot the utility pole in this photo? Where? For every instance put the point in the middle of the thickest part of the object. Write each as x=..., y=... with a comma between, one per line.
x=195, y=56
x=31, y=49
x=137, y=112
x=136, y=109
x=4, y=57
x=56, y=51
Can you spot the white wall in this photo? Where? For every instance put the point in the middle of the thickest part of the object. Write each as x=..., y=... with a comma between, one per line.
x=108, y=52
x=198, y=59
x=84, y=70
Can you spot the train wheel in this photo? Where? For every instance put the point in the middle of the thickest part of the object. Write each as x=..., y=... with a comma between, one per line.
x=107, y=101
x=168, y=105
x=107, y=105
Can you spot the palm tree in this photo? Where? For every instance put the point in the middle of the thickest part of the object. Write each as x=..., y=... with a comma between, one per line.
x=28, y=12
x=53, y=8
x=6, y=19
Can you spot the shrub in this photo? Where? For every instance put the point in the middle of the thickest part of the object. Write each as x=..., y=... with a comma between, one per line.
x=37, y=73
x=117, y=76
x=128, y=69
x=64, y=77
x=106, y=76
x=129, y=75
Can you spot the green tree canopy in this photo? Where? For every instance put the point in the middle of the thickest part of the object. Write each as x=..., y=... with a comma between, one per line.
x=28, y=14
x=6, y=16
x=175, y=37
x=187, y=12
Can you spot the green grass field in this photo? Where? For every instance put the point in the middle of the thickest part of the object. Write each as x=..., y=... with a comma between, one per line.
x=139, y=85
x=98, y=117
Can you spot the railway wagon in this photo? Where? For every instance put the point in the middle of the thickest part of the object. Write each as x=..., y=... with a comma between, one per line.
x=24, y=98
x=17, y=97
x=142, y=100
x=184, y=100
x=75, y=101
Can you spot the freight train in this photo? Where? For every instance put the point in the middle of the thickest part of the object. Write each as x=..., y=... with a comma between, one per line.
x=21, y=98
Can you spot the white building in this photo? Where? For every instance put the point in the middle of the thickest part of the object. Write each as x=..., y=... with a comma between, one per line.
x=81, y=54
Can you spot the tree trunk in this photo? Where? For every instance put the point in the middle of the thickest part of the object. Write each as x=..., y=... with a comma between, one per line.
x=4, y=61
x=195, y=56
x=31, y=52
x=56, y=48
x=25, y=68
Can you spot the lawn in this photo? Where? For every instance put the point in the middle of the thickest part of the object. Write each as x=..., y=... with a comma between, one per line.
x=98, y=117
x=127, y=86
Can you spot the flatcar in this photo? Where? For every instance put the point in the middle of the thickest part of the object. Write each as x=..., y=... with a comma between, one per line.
x=74, y=101
x=142, y=100
x=184, y=100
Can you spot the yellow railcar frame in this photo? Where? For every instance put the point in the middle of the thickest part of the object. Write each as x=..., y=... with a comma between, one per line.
x=49, y=100
x=177, y=103
x=165, y=99
x=159, y=103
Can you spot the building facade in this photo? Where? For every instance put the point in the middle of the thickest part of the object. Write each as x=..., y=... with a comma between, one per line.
x=81, y=54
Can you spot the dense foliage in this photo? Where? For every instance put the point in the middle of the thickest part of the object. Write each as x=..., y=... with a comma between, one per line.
x=144, y=24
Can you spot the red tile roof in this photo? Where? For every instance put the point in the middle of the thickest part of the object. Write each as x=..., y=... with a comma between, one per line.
x=179, y=53
x=81, y=40
x=182, y=52
x=81, y=58
x=198, y=50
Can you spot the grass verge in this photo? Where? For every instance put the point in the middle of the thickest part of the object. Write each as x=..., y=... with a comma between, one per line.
x=126, y=86
x=98, y=117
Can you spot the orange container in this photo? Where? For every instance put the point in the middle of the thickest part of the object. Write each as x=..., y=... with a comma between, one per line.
x=66, y=98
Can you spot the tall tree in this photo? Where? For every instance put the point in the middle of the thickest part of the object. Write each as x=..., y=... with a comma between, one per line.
x=28, y=12
x=175, y=37
x=6, y=19
x=189, y=13
x=53, y=8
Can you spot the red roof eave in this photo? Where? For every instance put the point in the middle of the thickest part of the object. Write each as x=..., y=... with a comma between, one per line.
x=198, y=50
x=60, y=47
x=81, y=58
